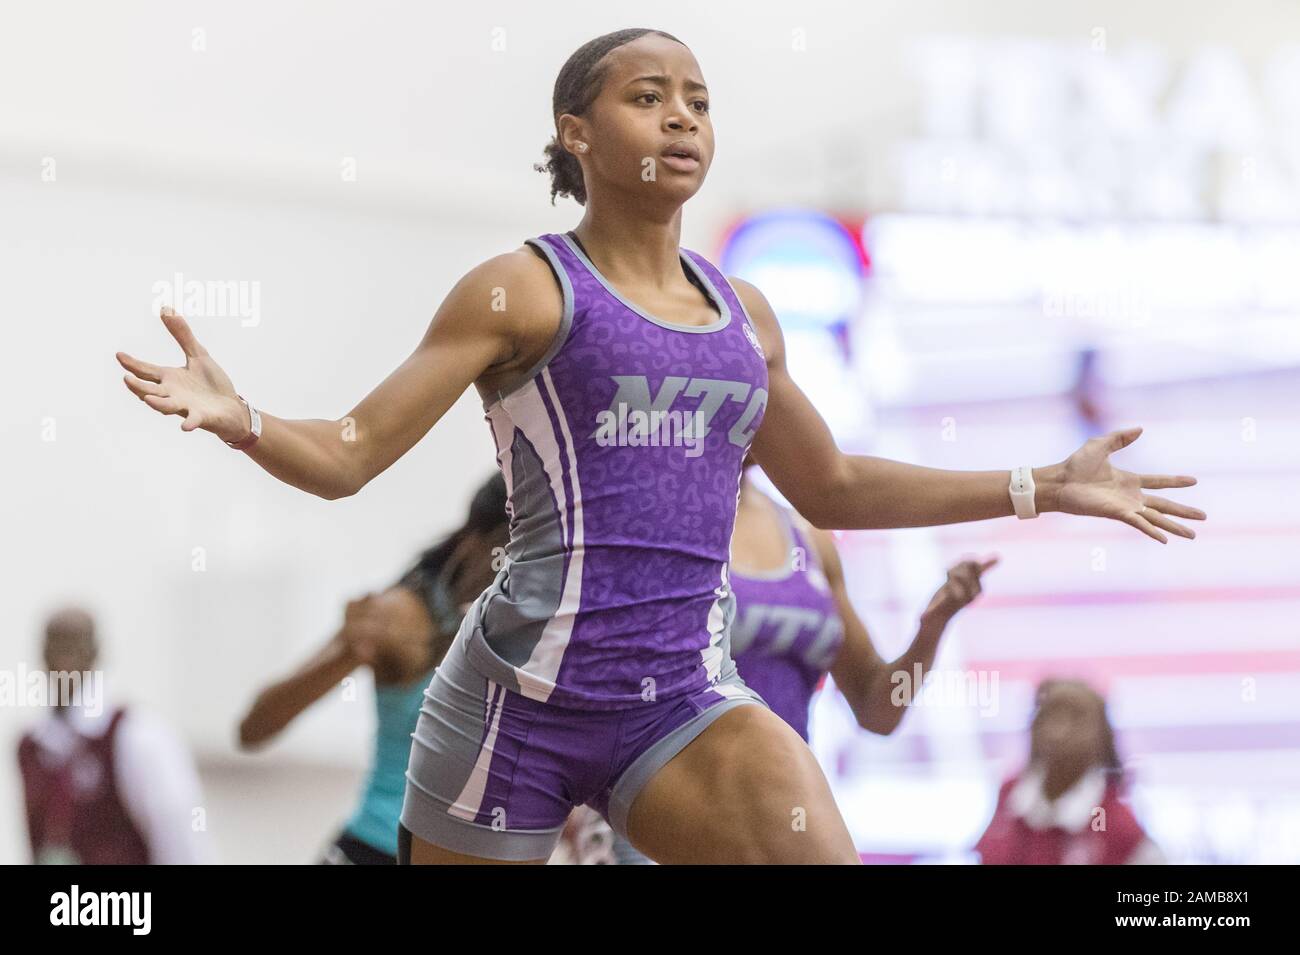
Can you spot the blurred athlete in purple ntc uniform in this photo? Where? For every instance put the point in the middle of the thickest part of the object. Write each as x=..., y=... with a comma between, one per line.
x=795, y=622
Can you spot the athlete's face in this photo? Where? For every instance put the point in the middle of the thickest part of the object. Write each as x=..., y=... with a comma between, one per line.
x=649, y=128
x=1068, y=726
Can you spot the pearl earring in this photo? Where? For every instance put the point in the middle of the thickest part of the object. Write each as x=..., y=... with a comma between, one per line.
x=582, y=147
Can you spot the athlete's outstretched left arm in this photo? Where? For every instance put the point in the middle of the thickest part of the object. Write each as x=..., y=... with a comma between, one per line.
x=853, y=491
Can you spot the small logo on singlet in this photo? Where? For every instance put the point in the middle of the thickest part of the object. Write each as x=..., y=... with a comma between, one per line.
x=753, y=339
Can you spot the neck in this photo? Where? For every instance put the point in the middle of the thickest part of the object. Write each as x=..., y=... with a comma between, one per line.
x=621, y=247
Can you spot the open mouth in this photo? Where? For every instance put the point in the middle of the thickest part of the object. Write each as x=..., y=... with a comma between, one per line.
x=681, y=155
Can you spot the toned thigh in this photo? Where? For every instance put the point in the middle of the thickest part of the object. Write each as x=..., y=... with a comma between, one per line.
x=746, y=790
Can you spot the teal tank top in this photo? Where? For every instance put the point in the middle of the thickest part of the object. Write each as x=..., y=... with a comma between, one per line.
x=398, y=708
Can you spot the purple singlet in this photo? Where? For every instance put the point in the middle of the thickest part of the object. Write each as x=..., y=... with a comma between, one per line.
x=621, y=450
x=787, y=631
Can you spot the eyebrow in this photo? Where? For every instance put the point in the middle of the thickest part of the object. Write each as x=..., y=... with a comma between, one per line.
x=664, y=80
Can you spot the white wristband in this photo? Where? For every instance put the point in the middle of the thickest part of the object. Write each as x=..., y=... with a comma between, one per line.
x=1022, y=492
x=255, y=428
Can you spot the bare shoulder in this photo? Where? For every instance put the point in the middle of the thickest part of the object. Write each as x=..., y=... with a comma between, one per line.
x=762, y=316
x=511, y=285
x=521, y=264
x=756, y=304
x=512, y=299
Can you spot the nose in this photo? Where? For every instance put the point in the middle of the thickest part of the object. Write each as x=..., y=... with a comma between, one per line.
x=676, y=123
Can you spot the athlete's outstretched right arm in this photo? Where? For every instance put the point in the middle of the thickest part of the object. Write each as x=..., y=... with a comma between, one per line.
x=334, y=459
x=796, y=449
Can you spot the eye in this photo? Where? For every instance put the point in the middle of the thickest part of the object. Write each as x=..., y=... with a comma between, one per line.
x=704, y=103
x=644, y=95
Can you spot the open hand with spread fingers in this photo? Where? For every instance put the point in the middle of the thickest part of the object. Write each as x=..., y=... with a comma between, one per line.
x=1087, y=483
x=200, y=391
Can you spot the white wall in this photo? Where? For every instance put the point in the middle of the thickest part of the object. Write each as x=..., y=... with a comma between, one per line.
x=110, y=510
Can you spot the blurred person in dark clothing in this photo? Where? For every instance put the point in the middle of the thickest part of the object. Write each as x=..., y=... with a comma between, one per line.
x=104, y=784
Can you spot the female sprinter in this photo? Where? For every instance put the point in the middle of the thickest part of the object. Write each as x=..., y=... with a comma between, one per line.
x=624, y=379
x=401, y=634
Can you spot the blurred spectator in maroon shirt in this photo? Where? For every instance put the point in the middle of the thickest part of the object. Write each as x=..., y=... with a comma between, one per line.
x=1065, y=807
x=104, y=784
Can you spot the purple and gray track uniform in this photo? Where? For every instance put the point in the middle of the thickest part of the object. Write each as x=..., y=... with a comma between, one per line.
x=601, y=649
x=787, y=630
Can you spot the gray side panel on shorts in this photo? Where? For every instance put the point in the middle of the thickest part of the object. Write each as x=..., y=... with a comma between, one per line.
x=445, y=748
x=450, y=737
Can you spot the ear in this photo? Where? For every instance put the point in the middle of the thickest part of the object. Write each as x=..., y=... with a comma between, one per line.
x=570, y=131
